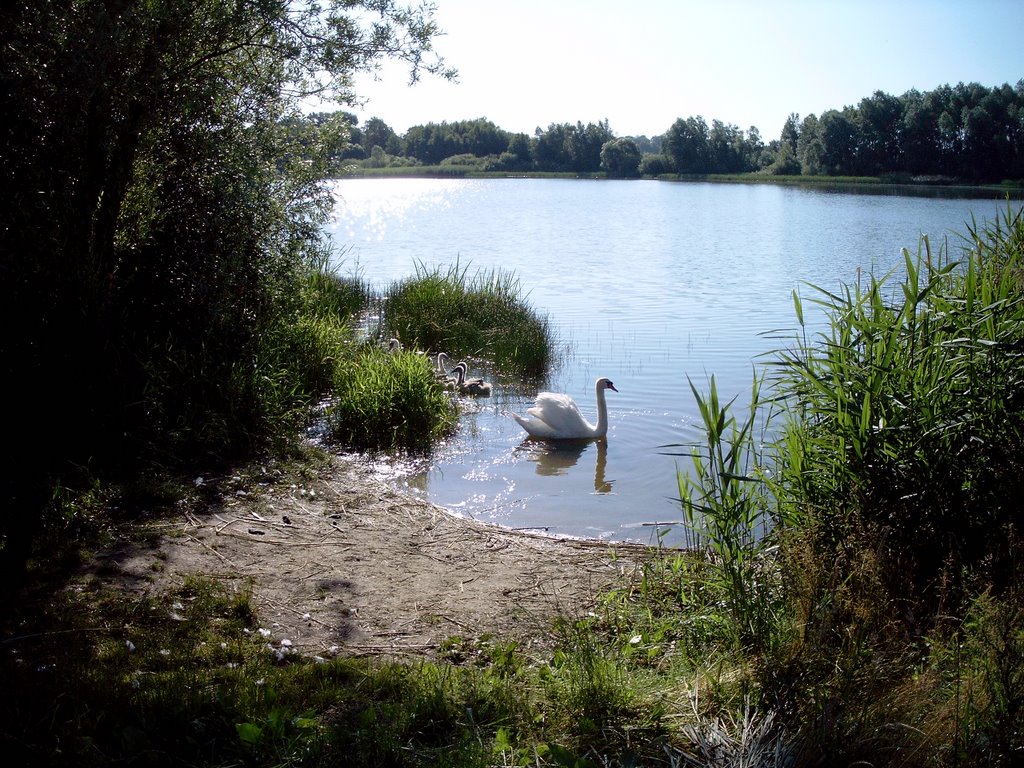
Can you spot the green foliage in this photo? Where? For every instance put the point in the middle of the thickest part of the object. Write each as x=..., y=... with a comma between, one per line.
x=621, y=157
x=432, y=143
x=160, y=213
x=968, y=131
x=479, y=317
x=724, y=505
x=908, y=418
x=897, y=455
x=655, y=165
x=389, y=400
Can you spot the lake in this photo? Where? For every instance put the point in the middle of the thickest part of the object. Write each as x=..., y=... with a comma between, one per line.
x=648, y=283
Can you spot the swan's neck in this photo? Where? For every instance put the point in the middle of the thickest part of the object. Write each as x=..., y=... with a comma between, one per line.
x=602, y=413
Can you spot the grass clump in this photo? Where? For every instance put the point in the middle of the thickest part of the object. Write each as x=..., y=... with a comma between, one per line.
x=481, y=317
x=386, y=400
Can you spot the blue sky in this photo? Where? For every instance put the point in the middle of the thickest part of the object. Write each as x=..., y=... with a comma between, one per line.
x=642, y=64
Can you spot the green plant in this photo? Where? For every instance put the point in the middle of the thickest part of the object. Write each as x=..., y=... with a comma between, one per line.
x=176, y=217
x=479, y=317
x=725, y=506
x=385, y=401
x=897, y=453
x=907, y=419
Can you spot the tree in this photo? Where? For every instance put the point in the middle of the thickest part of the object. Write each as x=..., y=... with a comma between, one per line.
x=519, y=148
x=621, y=157
x=920, y=134
x=648, y=145
x=652, y=164
x=155, y=219
x=791, y=132
x=377, y=133
x=686, y=145
x=726, y=149
x=838, y=136
x=754, y=149
x=583, y=145
x=809, y=149
x=879, y=134
x=785, y=162
x=550, y=148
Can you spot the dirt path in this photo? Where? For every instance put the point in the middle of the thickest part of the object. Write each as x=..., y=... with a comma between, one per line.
x=346, y=565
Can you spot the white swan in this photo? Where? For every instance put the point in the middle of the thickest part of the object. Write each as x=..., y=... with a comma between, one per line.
x=439, y=368
x=475, y=387
x=557, y=417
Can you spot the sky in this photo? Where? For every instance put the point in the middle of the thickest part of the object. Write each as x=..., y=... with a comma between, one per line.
x=643, y=64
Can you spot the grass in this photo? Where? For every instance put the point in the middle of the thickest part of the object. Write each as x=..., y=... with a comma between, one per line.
x=192, y=679
x=479, y=316
x=385, y=401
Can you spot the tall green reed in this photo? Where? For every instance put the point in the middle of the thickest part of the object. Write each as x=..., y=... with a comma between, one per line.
x=893, y=463
x=724, y=502
x=905, y=416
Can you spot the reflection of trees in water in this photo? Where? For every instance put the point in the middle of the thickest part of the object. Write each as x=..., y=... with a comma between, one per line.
x=557, y=458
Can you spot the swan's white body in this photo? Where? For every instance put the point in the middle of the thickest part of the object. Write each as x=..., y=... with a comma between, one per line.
x=556, y=416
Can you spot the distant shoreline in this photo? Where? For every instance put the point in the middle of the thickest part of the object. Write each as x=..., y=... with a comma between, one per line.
x=862, y=184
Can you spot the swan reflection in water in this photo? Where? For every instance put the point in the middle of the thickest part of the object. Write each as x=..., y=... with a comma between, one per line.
x=557, y=458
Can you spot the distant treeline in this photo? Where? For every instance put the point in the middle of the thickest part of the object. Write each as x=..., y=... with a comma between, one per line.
x=967, y=132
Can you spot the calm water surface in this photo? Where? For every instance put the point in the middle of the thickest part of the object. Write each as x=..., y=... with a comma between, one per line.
x=645, y=282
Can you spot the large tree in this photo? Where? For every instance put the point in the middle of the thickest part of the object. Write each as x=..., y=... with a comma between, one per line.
x=880, y=135
x=621, y=157
x=153, y=215
x=686, y=145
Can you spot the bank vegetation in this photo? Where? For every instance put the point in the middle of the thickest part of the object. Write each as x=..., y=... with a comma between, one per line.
x=853, y=592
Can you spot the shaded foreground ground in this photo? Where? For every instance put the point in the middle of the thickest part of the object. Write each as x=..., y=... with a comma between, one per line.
x=343, y=565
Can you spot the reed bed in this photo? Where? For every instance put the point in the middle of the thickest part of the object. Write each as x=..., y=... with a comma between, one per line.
x=483, y=316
